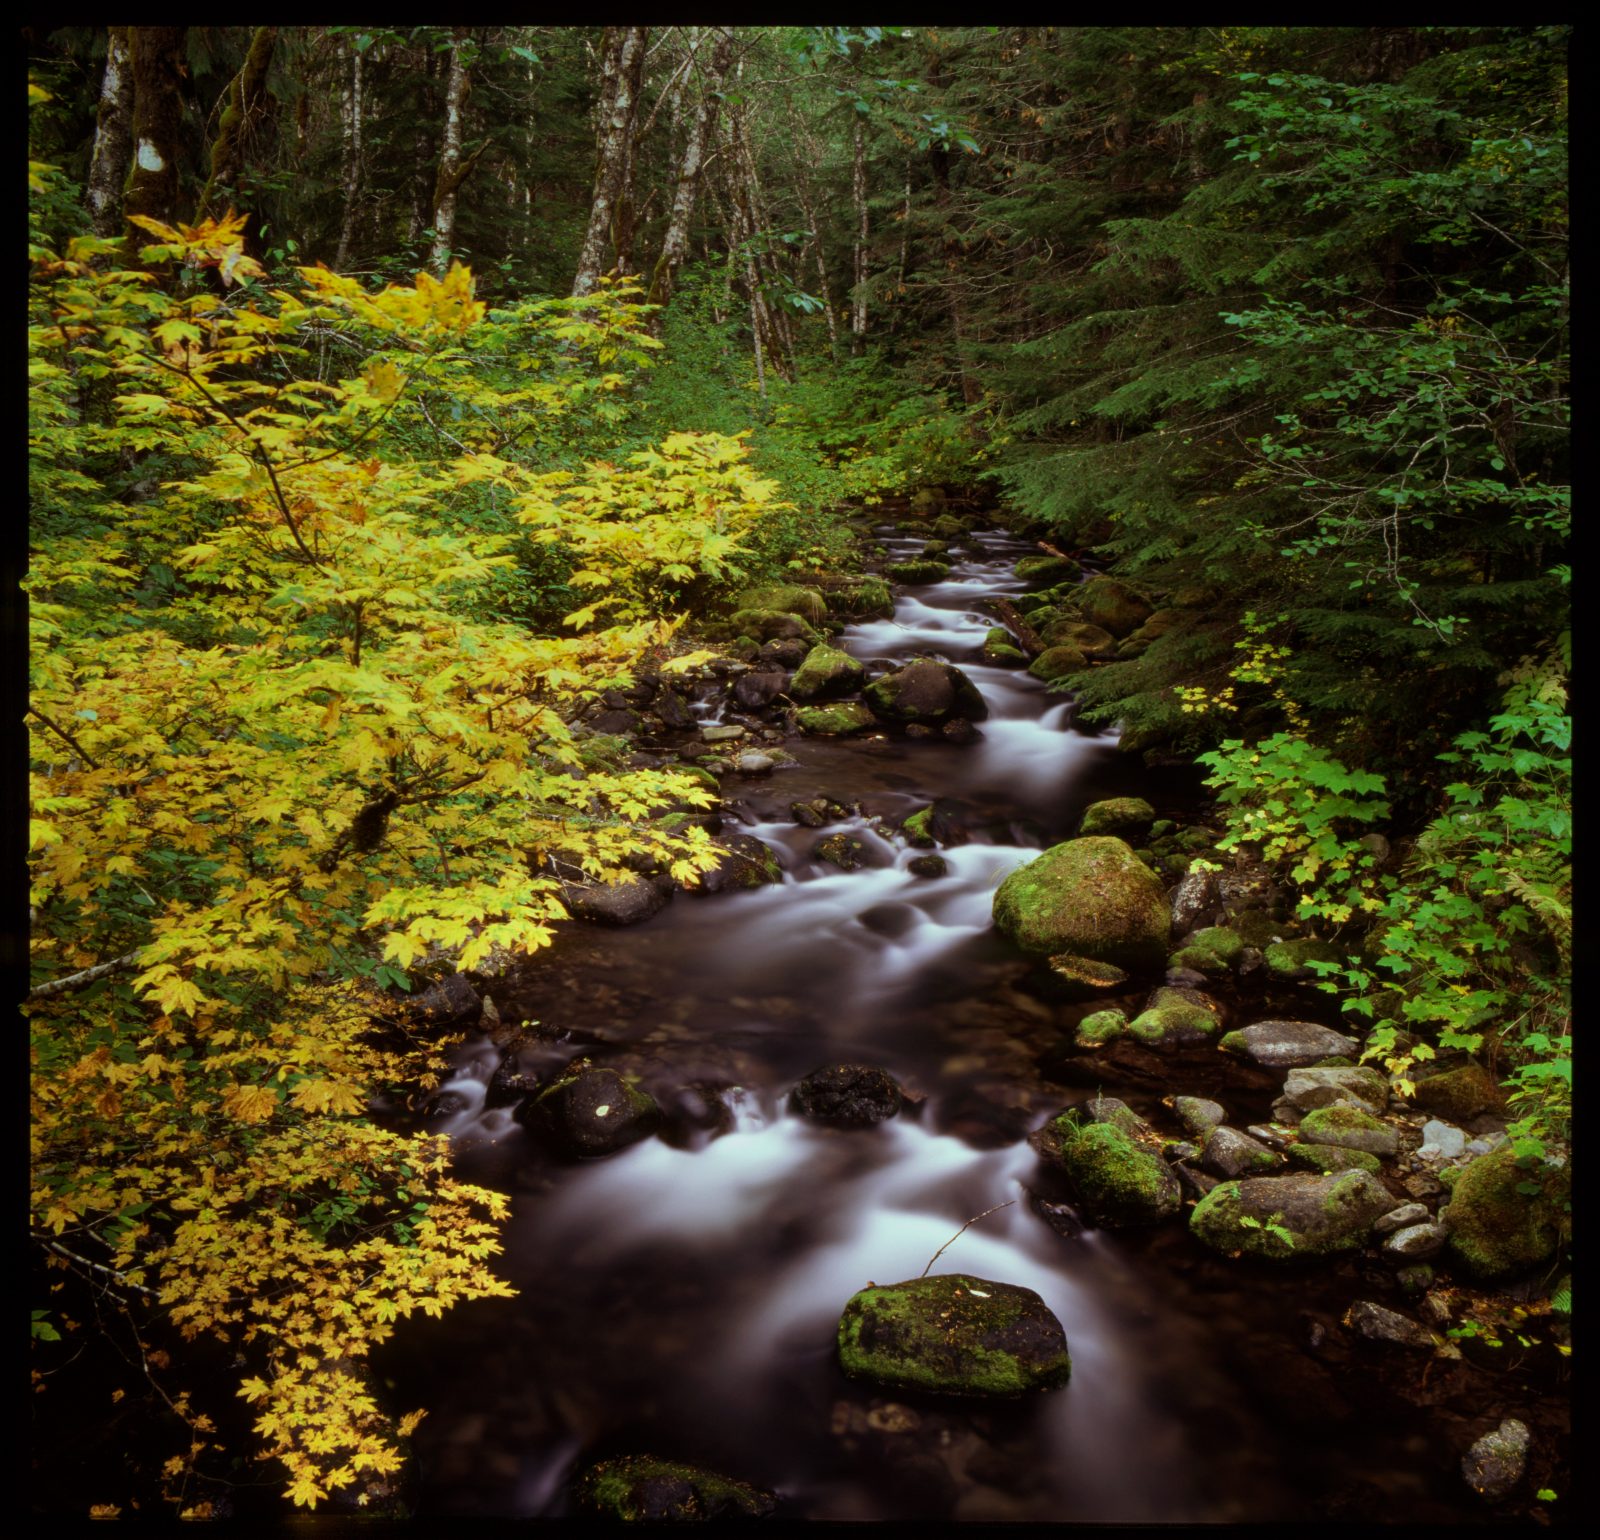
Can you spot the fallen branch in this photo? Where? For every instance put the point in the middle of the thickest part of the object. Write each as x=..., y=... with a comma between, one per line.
x=84, y=978
x=962, y=1231
x=1032, y=643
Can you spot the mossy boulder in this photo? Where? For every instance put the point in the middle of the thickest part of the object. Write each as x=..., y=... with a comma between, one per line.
x=863, y=596
x=1113, y=1164
x=1057, y=662
x=1496, y=1229
x=1328, y=1158
x=1459, y=1094
x=926, y=692
x=1290, y=961
x=1113, y=606
x=643, y=1489
x=928, y=866
x=1160, y=624
x=999, y=646
x=1178, y=1025
x=918, y=829
x=770, y=625
x=920, y=571
x=1320, y=1086
x=836, y=721
x=1129, y=817
x=1091, y=898
x=842, y=850
x=594, y=1112
x=947, y=526
x=1101, y=1027
x=743, y=862
x=1091, y=640
x=1044, y=570
x=826, y=671
x=790, y=598
x=1083, y=977
x=1197, y=1114
x=1323, y=1214
x=1221, y=941
x=847, y=1095
x=1349, y=1128
x=954, y=1335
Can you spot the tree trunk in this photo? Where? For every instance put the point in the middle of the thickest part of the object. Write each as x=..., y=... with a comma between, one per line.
x=701, y=122
x=622, y=54
x=939, y=158
x=352, y=159
x=422, y=182
x=858, y=190
x=807, y=151
x=245, y=109
x=452, y=170
x=905, y=252
x=113, y=137
x=625, y=220
x=152, y=185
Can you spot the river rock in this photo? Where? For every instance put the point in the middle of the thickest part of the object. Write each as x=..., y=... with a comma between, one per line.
x=723, y=732
x=755, y=690
x=1101, y=1027
x=594, y=1112
x=1495, y=1463
x=1496, y=1230
x=787, y=598
x=1379, y=1325
x=1057, y=662
x=1043, y=571
x=842, y=850
x=643, y=1489
x=826, y=671
x=1113, y=1163
x=1113, y=606
x=449, y=1002
x=835, y=721
x=1092, y=641
x=743, y=862
x=1349, y=1128
x=1091, y=898
x=1288, y=1044
x=769, y=625
x=1323, y=1214
x=1174, y=1025
x=1459, y=1094
x=928, y=866
x=784, y=652
x=1083, y=978
x=957, y=730
x=672, y=710
x=1230, y=1153
x=927, y=692
x=1197, y=1115
x=922, y=570
x=1311, y=1088
x=1194, y=901
x=1290, y=961
x=1129, y=817
x=1416, y=1243
x=999, y=646
x=1442, y=1139
x=847, y=1096
x=1399, y=1218
x=1328, y=1158
x=617, y=903
x=860, y=597
x=953, y=1334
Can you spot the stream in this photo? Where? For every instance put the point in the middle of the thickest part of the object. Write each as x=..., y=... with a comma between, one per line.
x=680, y=1298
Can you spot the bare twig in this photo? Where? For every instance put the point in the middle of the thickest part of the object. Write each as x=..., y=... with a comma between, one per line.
x=84, y=978
x=962, y=1231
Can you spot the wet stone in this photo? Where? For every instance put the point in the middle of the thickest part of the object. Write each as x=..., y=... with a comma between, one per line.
x=1288, y=1044
x=1197, y=1115
x=754, y=764
x=1416, y=1243
x=1311, y=1088
x=595, y=1112
x=1441, y=1139
x=847, y=1096
x=1398, y=1219
x=842, y=850
x=1349, y=1128
x=450, y=1002
x=1495, y=1463
x=1377, y=1324
x=1322, y=1214
x=618, y=903
x=927, y=866
x=641, y=1488
x=1230, y=1153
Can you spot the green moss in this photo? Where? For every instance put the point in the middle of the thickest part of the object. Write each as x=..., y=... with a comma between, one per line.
x=1199, y=960
x=1100, y=1028
x=1047, y=569
x=953, y=1334
x=1169, y=1026
x=868, y=595
x=1290, y=960
x=917, y=571
x=1349, y=1128
x=1117, y=815
x=643, y=1488
x=1224, y=942
x=834, y=721
x=700, y=773
x=1497, y=1229
x=787, y=598
x=1057, y=663
x=1118, y=1180
x=767, y=624
x=1327, y=1158
x=826, y=670
x=918, y=829
x=1000, y=647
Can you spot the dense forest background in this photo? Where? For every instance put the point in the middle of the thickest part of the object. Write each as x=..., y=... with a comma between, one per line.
x=1272, y=320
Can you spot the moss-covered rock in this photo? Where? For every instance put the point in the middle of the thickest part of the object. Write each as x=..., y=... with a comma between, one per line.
x=1100, y=1028
x=1324, y=1085
x=836, y=721
x=1160, y=624
x=1174, y=1026
x=1222, y=941
x=917, y=571
x=1057, y=662
x=1197, y=1114
x=863, y=596
x=955, y=1335
x=1089, y=897
x=927, y=692
x=641, y=1488
x=1349, y=1128
x=1496, y=1229
x=1197, y=959
x=1043, y=570
x=1287, y=1044
x=1117, y=1177
x=918, y=829
x=1459, y=1094
x=1327, y=1158
x=743, y=862
x=594, y=1112
x=826, y=671
x=1113, y=606
x=1290, y=961
x=1322, y=1214
x=1082, y=977
x=842, y=850
x=1129, y=817
x=928, y=866
x=1000, y=647
x=1092, y=641
x=789, y=598
x=767, y=625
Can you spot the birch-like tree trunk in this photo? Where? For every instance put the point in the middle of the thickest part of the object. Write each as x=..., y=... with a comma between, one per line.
x=806, y=150
x=113, y=137
x=699, y=126
x=351, y=181
x=245, y=109
x=152, y=185
x=621, y=62
x=858, y=190
x=452, y=171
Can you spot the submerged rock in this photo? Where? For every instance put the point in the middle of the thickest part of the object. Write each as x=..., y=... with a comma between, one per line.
x=1321, y=1214
x=847, y=1095
x=955, y=1335
x=1089, y=897
x=594, y=1112
x=641, y=1488
x=927, y=692
x=1288, y=1044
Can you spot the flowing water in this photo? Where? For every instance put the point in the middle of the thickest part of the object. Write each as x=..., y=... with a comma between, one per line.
x=680, y=1298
